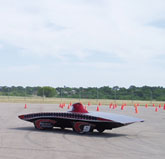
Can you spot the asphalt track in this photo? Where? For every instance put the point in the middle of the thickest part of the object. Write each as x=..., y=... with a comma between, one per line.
x=20, y=140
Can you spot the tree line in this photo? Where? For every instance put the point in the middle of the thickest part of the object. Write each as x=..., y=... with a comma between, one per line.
x=106, y=92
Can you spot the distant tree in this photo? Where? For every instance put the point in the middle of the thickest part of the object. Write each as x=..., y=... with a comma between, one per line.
x=47, y=91
x=105, y=92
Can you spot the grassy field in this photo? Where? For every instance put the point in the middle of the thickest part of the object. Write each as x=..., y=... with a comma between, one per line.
x=16, y=99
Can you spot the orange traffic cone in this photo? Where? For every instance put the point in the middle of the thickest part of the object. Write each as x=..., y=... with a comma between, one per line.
x=122, y=107
x=156, y=109
x=25, y=106
x=97, y=109
x=110, y=105
x=136, y=109
x=146, y=105
x=61, y=105
x=159, y=105
x=153, y=105
x=69, y=106
x=115, y=105
x=89, y=103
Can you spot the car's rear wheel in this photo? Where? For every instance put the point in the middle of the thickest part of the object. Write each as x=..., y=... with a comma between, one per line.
x=46, y=126
x=42, y=124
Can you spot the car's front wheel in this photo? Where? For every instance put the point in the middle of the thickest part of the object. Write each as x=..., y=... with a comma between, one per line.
x=82, y=127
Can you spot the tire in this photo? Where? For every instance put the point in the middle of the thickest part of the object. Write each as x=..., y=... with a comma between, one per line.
x=79, y=132
x=82, y=127
x=42, y=124
x=38, y=128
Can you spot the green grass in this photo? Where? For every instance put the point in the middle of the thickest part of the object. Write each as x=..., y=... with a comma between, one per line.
x=41, y=100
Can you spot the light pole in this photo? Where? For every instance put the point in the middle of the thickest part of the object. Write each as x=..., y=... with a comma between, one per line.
x=115, y=96
x=151, y=96
x=115, y=89
x=61, y=95
x=79, y=94
x=97, y=95
x=25, y=94
x=43, y=93
x=8, y=93
x=132, y=96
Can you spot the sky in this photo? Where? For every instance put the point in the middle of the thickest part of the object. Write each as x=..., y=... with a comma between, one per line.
x=82, y=43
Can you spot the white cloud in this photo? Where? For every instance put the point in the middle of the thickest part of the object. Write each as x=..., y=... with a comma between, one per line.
x=115, y=26
x=1, y=46
x=71, y=29
x=20, y=68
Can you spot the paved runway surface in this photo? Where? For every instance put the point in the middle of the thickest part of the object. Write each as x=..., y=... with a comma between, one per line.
x=20, y=140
